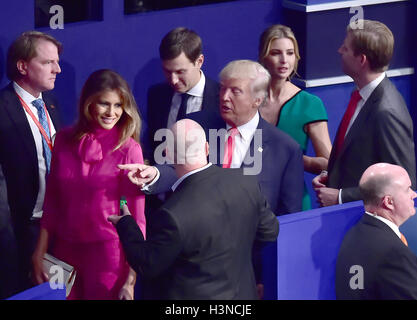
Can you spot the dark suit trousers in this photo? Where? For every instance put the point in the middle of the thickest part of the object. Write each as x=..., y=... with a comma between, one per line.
x=27, y=236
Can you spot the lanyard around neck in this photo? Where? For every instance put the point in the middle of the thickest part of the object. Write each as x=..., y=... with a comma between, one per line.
x=40, y=127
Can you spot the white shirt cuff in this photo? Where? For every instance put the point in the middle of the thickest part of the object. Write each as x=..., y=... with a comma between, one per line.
x=146, y=187
x=340, y=196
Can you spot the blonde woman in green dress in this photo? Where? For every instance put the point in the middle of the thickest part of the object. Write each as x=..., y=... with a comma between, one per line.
x=295, y=111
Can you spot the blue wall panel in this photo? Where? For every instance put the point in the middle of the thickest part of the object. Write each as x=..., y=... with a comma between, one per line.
x=129, y=43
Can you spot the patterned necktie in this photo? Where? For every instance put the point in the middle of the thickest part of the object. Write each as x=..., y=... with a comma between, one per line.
x=404, y=240
x=39, y=105
x=353, y=103
x=229, y=147
x=182, y=111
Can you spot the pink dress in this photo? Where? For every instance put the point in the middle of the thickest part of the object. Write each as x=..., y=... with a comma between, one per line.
x=84, y=188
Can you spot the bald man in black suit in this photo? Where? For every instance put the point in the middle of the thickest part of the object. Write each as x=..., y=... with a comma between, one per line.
x=374, y=261
x=200, y=241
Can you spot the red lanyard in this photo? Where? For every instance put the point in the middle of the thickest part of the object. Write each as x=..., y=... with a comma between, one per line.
x=40, y=127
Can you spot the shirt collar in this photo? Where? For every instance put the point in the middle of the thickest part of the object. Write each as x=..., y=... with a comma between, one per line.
x=177, y=183
x=26, y=96
x=367, y=90
x=247, y=130
x=389, y=223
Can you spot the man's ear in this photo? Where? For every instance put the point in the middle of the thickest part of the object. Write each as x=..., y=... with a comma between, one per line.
x=207, y=149
x=257, y=103
x=22, y=67
x=199, y=61
x=388, y=202
x=363, y=59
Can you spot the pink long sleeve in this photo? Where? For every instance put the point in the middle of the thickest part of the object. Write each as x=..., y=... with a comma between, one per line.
x=85, y=186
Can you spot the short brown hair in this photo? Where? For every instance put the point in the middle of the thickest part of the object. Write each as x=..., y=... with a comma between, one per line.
x=180, y=40
x=97, y=83
x=277, y=31
x=375, y=41
x=24, y=48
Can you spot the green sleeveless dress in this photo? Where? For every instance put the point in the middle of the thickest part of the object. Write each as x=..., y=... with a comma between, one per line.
x=301, y=109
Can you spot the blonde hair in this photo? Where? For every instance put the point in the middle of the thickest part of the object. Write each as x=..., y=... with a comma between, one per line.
x=97, y=83
x=376, y=41
x=248, y=69
x=277, y=31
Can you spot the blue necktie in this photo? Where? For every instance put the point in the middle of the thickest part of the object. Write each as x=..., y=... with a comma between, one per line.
x=39, y=105
x=182, y=112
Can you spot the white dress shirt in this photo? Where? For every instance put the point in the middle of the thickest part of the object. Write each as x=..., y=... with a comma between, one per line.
x=194, y=102
x=243, y=140
x=37, y=137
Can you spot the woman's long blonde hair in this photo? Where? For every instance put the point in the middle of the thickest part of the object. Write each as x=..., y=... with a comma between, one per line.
x=277, y=31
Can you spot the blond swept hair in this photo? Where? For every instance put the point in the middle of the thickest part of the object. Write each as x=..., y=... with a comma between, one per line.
x=248, y=69
x=277, y=31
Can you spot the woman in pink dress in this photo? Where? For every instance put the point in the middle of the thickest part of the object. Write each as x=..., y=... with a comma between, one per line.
x=85, y=187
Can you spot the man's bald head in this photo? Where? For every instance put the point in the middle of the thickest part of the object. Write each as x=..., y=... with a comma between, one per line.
x=377, y=181
x=190, y=146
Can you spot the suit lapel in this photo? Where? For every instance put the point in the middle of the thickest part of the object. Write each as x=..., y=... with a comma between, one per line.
x=359, y=123
x=210, y=96
x=257, y=145
x=53, y=113
x=164, y=106
x=19, y=119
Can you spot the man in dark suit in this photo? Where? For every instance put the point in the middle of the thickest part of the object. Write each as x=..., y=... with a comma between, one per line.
x=186, y=89
x=374, y=261
x=376, y=127
x=28, y=122
x=200, y=241
x=260, y=148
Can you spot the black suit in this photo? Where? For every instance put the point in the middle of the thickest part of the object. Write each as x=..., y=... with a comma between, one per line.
x=159, y=107
x=19, y=161
x=382, y=132
x=389, y=267
x=199, y=242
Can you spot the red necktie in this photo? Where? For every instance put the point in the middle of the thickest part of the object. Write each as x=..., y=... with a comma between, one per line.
x=404, y=240
x=229, y=147
x=353, y=103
